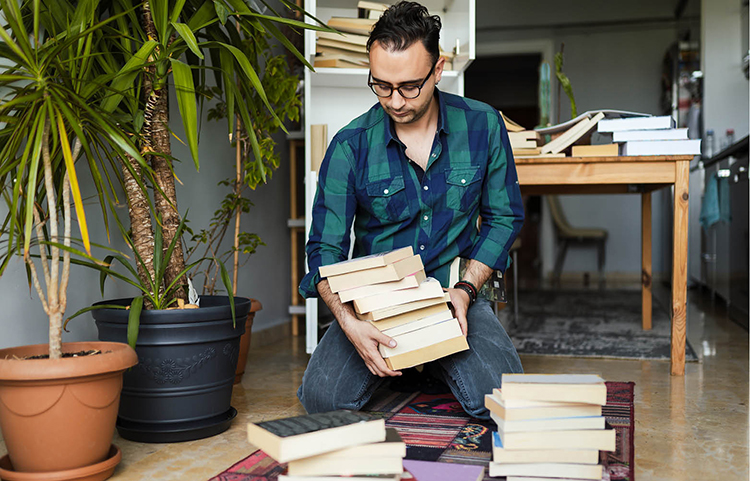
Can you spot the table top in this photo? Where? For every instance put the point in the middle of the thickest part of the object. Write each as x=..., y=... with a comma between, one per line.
x=586, y=160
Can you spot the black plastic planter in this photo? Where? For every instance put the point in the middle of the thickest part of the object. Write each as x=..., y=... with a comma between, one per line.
x=181, y=389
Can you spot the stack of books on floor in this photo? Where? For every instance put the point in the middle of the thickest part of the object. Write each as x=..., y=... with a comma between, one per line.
x=650, y=136
x=345, y=445
x=549, y=426
x=392, y=291
x=348, y=49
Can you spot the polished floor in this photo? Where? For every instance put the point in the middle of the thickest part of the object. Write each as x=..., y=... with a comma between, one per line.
x=687, y=428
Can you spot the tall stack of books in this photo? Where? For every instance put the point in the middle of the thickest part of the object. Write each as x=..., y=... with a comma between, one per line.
x=549, y=426
x=650, y=136
x=392, y=291
x=324, y=446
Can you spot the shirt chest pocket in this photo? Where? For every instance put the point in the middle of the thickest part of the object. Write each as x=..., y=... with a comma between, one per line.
x=464, y=187
x=388, y=199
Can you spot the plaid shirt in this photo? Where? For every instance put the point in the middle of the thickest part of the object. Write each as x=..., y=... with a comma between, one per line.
x=366, y=179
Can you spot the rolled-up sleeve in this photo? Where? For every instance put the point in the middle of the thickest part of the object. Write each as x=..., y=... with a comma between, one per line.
x=501, y=205
x=332, y=215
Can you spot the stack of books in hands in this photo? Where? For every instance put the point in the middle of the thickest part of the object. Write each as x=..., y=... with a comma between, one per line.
x=549, y=426
x=346, y=445
x=391, y=291
x=650, y=136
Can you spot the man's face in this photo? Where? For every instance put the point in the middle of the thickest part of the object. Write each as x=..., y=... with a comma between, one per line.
x=408, y=67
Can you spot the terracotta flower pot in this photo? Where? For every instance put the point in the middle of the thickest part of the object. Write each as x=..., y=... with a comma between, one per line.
x=245, y=340
x=60, y=414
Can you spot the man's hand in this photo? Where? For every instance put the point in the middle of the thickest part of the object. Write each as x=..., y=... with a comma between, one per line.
x=460, y=301
x=365, y=338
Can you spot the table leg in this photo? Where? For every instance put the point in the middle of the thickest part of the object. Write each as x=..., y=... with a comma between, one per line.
x=646, y=259
x=679, y=266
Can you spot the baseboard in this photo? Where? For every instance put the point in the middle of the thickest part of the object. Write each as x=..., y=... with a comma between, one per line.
x=271, y=335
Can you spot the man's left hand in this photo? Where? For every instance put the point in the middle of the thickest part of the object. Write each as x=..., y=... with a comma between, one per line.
x=460, y=301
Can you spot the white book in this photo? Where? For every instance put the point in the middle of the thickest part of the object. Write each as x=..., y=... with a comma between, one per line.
x=549, y=424
x=421, y=338
x=577, y=456
x=497, y=405
x=441, y=316
x=429, y=288
x=580, y=388
x=661, y=134
x=525, y=403
x=662, y=147
x=601, y=439
x=407, y=282
x=570, y=136
x=548, y=470
x=637, y=123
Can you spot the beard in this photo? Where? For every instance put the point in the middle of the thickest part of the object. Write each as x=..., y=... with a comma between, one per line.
x=408, y=116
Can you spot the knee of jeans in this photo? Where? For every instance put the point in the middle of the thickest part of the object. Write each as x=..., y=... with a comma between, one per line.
x=477, y=410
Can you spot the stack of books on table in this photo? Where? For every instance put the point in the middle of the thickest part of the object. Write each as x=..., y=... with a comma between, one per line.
x=391, y=291
x=650, y=136
x=549, y=426
x=346, y=445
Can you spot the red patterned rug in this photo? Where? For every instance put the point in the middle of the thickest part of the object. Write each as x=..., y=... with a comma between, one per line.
x=436, y=428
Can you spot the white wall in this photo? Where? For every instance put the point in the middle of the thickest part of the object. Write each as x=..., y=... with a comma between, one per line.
x=609, y=66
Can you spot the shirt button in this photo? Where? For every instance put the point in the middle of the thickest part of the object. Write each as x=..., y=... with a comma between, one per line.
x=421, y=247
x=426, y=188
x=434, y=155
x=426, y=217
x=385, y=191
x=463, y=181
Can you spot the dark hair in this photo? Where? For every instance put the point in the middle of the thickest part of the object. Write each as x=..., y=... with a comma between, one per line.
x=405, y=23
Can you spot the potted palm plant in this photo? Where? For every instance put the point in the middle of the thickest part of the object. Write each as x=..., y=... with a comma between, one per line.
x=58, y=402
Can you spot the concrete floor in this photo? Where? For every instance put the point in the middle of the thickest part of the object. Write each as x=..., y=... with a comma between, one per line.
x=687, y=428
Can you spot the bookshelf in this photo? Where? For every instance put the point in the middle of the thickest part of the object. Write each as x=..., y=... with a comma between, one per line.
x=335, y=96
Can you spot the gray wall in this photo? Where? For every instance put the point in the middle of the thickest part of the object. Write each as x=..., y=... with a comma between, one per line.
x=613, y=57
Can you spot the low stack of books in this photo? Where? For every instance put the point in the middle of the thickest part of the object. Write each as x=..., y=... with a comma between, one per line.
x=650, y=136
x=325, y=446
x=391, y=290
x=549, y=426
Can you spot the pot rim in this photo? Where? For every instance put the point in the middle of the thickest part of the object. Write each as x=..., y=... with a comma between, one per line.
x=115, y=357
x=206, y=313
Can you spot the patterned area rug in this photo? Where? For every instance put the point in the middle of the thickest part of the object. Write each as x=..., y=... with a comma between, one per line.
x=590, y=323
x=436, y=428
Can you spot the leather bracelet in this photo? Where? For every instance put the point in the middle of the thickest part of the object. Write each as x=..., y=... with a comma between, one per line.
x=467, y=290
x=471, y=286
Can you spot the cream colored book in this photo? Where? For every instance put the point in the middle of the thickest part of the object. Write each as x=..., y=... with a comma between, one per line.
x=441, y=316
x=421, y=338
x=342, y=45
x=548, y=470
x=388, y=273
x=363, y=57
x=411, y=316
x=428, y=354
x=540, y=156
x=577, y=388
x=572, y=135
x=524, y=403
x=605, y=150
x=318, y=145
x=407, y=282
x=350, y=38
x=337, y=61
x=577, y=456
x=366, y=262
x=497, y=406
x=429, y=288
x=401, y=309
x=601, y=439
x=550, y=424
x=534, y=151
x=360, y=26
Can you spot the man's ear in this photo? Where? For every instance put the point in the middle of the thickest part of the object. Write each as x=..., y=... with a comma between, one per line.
x=439, y=69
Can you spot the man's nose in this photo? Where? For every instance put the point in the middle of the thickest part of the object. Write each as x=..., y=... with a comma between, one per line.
x=397, y=101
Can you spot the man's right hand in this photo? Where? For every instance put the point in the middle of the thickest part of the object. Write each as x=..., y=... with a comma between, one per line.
x=365, y=337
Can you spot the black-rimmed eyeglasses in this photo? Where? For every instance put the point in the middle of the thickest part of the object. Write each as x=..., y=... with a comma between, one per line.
x=409, y=91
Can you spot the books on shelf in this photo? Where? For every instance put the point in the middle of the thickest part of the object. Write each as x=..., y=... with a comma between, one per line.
x=661, y=134
x=318, y=145
x=326, y=51
x=637, y=123
x=339, y=45
x=662, y=147
x=387, y=273
x=548, y=470
x=427, y=289
x=577, y=388
x=603, y=150
x=350, y=38
x=359, y=26
x=372, y=10
x=338, y=61
x=578, y=456
x=299, y=437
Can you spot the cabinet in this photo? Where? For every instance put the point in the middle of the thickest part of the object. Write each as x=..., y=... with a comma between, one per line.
x=335, y=96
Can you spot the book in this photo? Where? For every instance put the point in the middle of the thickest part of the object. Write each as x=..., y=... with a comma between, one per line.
x=411, y=316
x=299, y=437
x=361, y=49
x=608, y=114
x=318, y=145
x=661, y=134
x=534, y=151
x=549, y=424
x=510, y=125
x=360, y=26
x=428, y=289
x=580, y=388
x=604, y=150
x=540, y=156
x=435, y=471
x=325, y=50
x=440, y=316
x=367, y=477
x=379, y=314
x=601, y=439
x=371, y=10
x=578, y=456
x=548, y=470
x=497, y=406
x=350, y=38
x=337, y=61
x=570, y=136
x=662, y=147
x=376, y=458
x=366, y=262
x=407, y=282
x=524, y=403
x=422, y=337
x=388, y=273
x=429, y=353
x=637, y=123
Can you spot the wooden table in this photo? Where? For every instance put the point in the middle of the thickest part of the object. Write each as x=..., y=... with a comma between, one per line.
x=628, y=175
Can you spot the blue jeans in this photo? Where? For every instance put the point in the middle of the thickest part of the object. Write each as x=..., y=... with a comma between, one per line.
x=337, y=378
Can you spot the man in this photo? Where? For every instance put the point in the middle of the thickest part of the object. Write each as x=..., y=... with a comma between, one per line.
x=416, y=170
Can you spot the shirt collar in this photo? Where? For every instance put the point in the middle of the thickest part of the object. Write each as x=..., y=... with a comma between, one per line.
x=390, y=130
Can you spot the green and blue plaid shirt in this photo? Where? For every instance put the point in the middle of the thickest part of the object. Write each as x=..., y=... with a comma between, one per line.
x=366, y=179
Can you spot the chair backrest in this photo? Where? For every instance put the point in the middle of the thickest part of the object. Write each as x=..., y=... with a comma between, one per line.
x=558, y=217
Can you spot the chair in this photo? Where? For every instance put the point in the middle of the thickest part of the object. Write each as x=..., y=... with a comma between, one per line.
x=567, y=234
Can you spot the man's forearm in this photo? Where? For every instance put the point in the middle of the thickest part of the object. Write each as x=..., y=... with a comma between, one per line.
x=343, y=312
x=477, y=273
